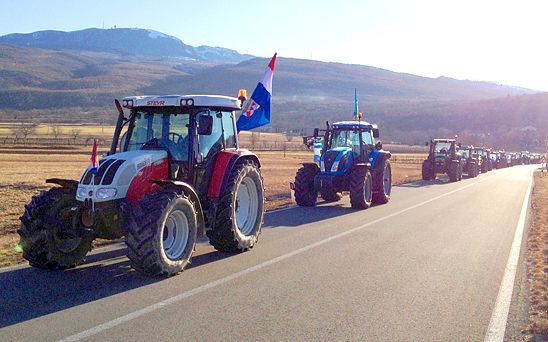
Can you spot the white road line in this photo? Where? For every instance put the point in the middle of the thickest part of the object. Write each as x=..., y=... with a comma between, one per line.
x=499, y=317
x=136, y=314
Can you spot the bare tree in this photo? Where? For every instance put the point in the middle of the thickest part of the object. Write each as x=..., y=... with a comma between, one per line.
x=55, y=131
x=75, y=133
x=24, y=130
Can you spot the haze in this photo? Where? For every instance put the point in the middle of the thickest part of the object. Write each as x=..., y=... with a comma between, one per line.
x=497, y=41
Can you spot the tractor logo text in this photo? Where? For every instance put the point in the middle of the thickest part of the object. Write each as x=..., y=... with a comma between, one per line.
x=156, y=103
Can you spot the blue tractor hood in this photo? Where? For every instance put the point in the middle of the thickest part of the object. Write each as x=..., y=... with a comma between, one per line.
x=336, y=160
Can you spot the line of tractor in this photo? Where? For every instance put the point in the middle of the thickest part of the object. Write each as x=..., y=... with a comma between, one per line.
x=447, y=156
x=175, y=174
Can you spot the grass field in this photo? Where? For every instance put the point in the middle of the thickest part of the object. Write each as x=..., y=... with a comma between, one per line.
x=24, y=173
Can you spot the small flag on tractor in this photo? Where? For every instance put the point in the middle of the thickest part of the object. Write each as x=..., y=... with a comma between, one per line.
x=94, y=158
x=256, y=111
x=357, y=113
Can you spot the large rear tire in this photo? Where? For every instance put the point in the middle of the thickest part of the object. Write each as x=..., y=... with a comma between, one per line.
x=453, y=170
x=330, y=195
x=427, y=170
x=240, y=211
x=361, y=188
x=161, y=233
x=46, y=227
x=305, y=193
x=382, y=181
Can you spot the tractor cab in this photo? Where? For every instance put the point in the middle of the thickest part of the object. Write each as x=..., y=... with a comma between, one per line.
x=191, y=130
x=348, y=142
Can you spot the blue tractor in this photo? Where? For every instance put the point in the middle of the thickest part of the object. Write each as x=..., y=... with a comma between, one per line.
x=350, y=161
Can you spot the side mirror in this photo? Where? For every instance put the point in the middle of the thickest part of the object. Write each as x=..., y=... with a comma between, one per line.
x=316, y=132
x=376, y=133
x=205, y=125
x=378, y=145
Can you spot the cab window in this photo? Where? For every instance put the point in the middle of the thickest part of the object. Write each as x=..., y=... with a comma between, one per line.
x=229, y=131
x=367, y=138
x=208, y=142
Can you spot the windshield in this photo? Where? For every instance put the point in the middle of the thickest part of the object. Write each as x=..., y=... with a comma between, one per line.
x=169, y=130
x=345, y=139
x=442, y=147
x=465, y=153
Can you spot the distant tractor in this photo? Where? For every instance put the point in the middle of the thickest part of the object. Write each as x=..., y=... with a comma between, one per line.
x=485, y=160
x=175, y=175
x=351, y=161
x=443, y=157
x=471, y=161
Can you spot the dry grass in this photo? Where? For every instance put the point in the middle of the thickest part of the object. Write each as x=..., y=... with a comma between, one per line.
x=24, y=173
x=537, y=261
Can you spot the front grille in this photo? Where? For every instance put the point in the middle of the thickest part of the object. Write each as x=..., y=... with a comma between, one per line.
x=105, y=173
x=111, y=172
x=329, y=159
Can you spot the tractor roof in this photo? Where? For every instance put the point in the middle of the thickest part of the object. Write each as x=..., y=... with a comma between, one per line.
x=216, y=101
x=444, y=140
x=353, y=125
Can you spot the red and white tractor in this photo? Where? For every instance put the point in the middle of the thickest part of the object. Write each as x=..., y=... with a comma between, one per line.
x=175, y=175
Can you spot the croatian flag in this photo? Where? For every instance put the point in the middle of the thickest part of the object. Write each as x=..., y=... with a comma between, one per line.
x=94, y=158
x=256, y=110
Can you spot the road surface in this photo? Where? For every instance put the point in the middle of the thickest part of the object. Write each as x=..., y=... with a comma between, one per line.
x=425, y=267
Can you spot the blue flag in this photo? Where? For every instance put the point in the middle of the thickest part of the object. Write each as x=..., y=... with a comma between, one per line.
x=256, y=111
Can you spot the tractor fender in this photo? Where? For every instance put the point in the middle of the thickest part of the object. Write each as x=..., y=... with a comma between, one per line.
x=189, y=191
x=311, y=165
x=65, y=183
x=377, y=158
x=224, y=162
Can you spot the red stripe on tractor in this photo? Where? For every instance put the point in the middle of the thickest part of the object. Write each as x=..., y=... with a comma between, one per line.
x=140, y=184
x=219, y=170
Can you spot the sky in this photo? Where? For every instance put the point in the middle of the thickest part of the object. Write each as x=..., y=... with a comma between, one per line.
x=499, y=41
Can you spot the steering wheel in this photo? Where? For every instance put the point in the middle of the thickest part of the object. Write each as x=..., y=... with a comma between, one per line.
x=443, y=150
x=173, y=135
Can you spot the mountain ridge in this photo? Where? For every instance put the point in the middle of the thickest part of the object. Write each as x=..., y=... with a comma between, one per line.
x=122, y=40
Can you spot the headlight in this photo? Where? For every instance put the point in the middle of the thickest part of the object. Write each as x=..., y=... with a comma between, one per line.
x=104, y=193
x=335, y=166
x=82, y=192
x=322, y=166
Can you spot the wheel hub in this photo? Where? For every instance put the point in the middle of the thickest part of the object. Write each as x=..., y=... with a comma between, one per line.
x=175, y=235
x=246, y=206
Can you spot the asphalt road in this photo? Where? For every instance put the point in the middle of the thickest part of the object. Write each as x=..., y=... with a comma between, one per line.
x=425, y=267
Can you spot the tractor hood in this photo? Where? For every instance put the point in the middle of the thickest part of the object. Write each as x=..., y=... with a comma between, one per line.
x=335, y=159
x=117, y=173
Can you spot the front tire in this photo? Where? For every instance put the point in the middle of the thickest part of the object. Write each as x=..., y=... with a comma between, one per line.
x=330, y=195
x=46, y=227
x=383, y=183
x=161, y=233
x=361, y=188
x=240, y=211
x=305, y=193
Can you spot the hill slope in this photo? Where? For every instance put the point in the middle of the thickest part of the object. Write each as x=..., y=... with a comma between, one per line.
x=69, y=85
x=124, y=41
